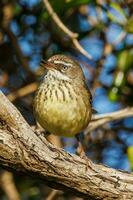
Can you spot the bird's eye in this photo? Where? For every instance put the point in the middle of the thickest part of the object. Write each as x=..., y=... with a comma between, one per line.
x=64, y=68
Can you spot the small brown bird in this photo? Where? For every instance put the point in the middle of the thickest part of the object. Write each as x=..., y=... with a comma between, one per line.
x=62, y=104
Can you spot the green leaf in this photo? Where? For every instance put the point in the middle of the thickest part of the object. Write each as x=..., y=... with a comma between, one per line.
x=130, y=156
x=17, y=9
x=119, y=79
x=61, y=6
x=125, y=60
x=119, y=11
x=58, y=6
x=129, y=25
x=114, y=94
x=75, y=3
x=117, y=7
x=124, y=63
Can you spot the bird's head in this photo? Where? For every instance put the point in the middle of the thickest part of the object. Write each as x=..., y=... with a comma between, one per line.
x=64, y=67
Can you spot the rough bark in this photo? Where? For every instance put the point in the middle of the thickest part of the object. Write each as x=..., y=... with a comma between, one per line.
x=23, y=150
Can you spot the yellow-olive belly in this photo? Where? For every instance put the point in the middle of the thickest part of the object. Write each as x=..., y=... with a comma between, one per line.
x=64, y=118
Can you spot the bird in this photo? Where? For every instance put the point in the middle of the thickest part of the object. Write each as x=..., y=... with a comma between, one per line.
x=63, y=101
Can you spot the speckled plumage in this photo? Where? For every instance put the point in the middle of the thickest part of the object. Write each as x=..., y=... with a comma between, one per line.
x=62, y=103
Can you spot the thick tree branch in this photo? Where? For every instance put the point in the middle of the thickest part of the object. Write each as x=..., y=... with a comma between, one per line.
x=21, y=149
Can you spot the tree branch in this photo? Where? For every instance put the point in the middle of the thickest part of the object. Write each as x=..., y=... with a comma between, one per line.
x=21, y=92
x=8, y=185
x=101, y=119
x=21, y=149
x=61, y=25
x=98, y=120
x=22, y=59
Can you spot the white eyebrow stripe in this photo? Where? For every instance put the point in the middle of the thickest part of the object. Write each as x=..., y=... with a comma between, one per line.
x=62, y=62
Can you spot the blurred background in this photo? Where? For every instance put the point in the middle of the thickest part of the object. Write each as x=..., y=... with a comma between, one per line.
x=28, y=34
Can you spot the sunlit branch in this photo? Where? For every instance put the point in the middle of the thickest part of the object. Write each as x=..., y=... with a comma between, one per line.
x=61, y=25
x=28, y=89
x=24, y=151
x=101, y=119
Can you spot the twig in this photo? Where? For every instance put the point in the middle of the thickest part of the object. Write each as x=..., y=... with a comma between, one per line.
x=119, y=39
x=126, y=112
x=22, y=91
x=129, y=1
x=61, y=25
x=53, y=194
x=7, y=17
x=80, y=48
x=8, y=185
x=18, y=50
x=55, y=140
x=101, y=119
x=58, y=21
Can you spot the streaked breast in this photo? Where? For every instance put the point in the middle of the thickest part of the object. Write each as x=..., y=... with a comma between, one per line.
x=61, y=109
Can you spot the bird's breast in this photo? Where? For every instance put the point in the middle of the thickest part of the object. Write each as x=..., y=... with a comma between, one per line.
x=61, y=109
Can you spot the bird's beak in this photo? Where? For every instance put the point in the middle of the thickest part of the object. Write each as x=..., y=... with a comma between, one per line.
x=48, y=65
